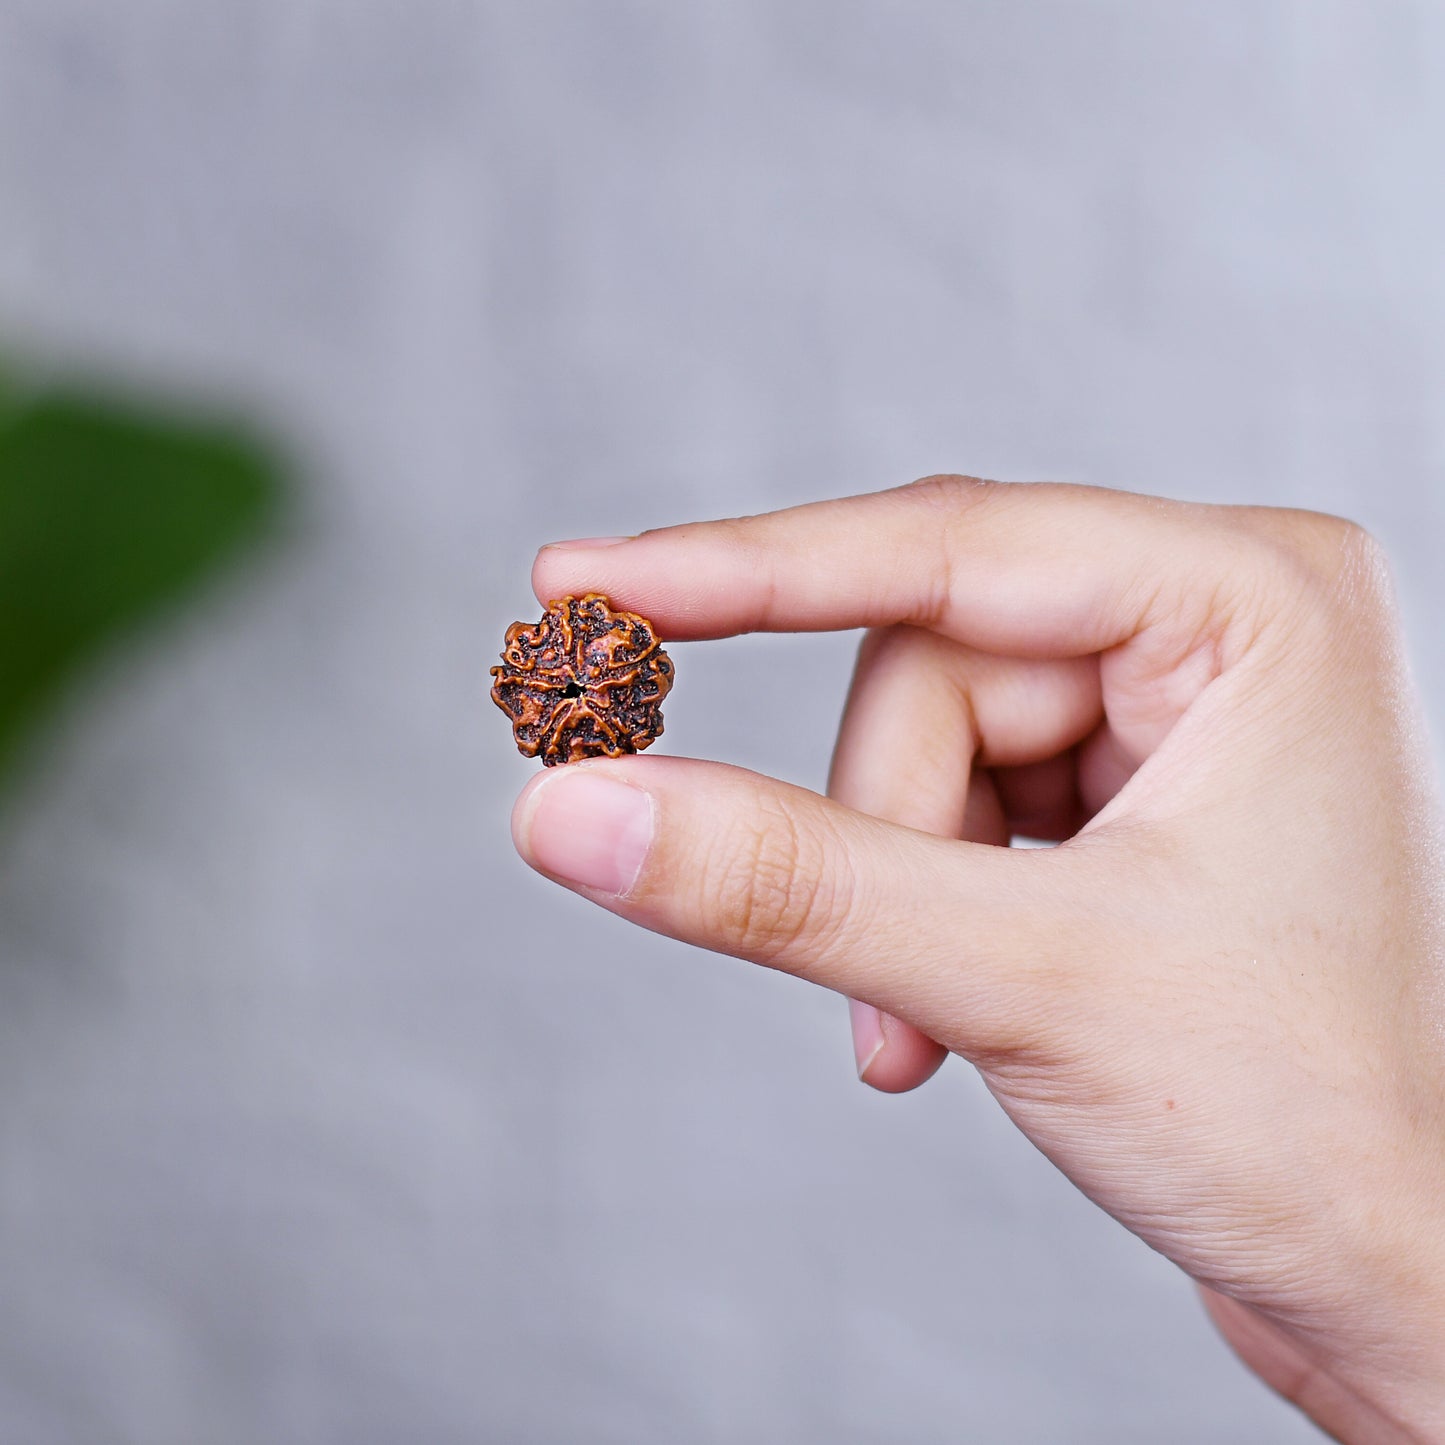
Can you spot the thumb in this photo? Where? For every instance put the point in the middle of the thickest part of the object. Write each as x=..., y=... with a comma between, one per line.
x=954, y=937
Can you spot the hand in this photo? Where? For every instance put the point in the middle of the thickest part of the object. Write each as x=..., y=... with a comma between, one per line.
x=1219, y=1005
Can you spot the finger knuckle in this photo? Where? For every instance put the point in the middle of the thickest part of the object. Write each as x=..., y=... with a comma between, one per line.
x=1329, y=559
x=769, y=895
x=950, y=502
x=948, y=492
x=1359, y=570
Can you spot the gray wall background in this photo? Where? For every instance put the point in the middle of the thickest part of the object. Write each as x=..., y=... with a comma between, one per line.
x=321, y=1118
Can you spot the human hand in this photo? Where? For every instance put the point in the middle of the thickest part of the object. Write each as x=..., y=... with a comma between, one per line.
x=1219, y=1005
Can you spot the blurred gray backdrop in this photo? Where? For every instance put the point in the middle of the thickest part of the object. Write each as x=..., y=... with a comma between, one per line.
x=321, y=1118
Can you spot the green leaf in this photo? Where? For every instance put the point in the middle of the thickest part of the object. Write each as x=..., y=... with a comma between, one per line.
x=109, y=515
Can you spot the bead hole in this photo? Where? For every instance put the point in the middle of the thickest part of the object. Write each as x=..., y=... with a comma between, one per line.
x=572, y=690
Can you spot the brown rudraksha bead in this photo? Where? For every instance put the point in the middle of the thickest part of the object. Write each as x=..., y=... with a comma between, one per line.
x=583, y=682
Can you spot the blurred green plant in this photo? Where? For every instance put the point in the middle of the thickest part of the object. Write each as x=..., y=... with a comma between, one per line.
x=112, y=513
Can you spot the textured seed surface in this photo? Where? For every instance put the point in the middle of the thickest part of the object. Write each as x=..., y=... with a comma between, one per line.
x=584, y=682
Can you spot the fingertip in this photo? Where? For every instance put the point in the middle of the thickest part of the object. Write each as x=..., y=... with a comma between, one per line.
x=585, y=827
x=868, y=1040
x=558, y=566
x=522, y=811
x=892, y=1056
x=900, y=1071
x=583, y=544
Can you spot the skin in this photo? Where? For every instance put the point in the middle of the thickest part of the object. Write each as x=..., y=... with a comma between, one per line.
x=1219, y=1005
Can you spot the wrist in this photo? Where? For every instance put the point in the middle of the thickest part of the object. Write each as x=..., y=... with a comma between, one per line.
x=1405, y=1393
x=1390, y=1357
x=1351, y=1329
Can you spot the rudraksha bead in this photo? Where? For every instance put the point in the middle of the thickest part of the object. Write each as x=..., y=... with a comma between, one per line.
x=583, y=682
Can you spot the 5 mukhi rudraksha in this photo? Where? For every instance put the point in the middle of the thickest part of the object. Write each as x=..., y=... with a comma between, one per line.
x=584, y=682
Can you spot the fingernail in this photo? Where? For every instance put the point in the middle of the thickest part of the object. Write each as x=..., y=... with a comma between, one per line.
x=588, y=829
x=867, y=1034
x=581, y=544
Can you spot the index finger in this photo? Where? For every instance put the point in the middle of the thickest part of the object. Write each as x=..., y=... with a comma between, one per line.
x=1027, y=569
